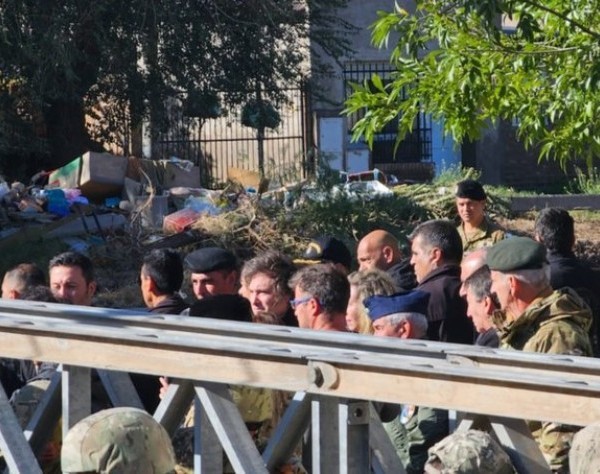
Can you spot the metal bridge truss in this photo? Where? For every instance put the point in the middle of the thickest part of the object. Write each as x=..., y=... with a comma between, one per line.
x=332, y=374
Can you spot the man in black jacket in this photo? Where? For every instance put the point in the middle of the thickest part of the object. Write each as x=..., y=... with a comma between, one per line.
x=161, y=277
x=554, y=227
x=436, y=255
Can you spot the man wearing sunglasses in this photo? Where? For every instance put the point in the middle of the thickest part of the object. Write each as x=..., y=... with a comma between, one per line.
x=321, y=294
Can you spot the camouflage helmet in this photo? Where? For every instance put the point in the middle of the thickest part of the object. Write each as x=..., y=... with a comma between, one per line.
x=469, y=452
x=584, y=456
x=118, y=441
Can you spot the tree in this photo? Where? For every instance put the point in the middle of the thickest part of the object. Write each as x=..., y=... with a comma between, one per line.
x=454, y=60
x=120, y=62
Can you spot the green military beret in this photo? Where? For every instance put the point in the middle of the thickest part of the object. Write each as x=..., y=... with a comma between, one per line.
x=516, y=253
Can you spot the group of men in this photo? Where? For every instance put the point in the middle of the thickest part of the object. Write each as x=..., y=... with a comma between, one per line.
x=463, y=284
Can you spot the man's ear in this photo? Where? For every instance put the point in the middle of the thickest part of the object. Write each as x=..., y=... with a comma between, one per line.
x=514, y=285
x=489, y=305
x=388, y=253
x=92, y=288
x=315, y=306
x=436, y=255
x=407, y=330
x=232, y=278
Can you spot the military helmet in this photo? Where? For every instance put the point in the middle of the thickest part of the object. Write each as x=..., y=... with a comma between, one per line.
x=118, y=441
x=469, y=452
x=584, y=456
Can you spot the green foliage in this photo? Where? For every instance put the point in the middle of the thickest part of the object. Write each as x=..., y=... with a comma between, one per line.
x=454, y=61
x=121, y=62
x=351, y=219
x=453, y=174
x=586, y=182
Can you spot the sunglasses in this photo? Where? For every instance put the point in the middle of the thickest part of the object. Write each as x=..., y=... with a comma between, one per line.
x=298, y=301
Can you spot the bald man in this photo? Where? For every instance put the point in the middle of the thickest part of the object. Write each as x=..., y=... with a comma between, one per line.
x=470, y=263
x=379, y=249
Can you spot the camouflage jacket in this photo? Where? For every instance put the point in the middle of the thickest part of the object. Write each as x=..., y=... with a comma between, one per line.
x=487, y=235
x=414, y=432
x=557, y=324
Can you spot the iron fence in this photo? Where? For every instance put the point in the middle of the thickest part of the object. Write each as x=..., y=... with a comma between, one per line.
x=415, y=147
x=217, y=144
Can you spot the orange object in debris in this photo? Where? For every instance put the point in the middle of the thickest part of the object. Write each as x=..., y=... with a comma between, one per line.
x=180, y=220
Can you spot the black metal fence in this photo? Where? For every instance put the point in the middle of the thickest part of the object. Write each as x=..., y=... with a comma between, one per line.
x=415, y=148
x=217, y=144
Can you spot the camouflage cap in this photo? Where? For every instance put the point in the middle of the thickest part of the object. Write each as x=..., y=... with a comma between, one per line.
x=118, y=441
x=469, y=452
x=584, y=456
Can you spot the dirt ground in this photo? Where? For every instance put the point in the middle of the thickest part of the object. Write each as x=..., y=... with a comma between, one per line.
x=587, y=232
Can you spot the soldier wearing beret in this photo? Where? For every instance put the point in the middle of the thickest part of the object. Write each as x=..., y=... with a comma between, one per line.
x=417, y=428
x=539, y=319
x=214, y=272
x=476, y=230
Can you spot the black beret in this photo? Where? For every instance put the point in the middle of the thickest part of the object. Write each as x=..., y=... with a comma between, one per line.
x=210, y=259
x=470, y=189
x=227, y=307
x=516, y=253
x=327, y=249
x=380, y=306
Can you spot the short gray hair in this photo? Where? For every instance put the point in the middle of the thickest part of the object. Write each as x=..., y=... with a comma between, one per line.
x=538, y=278
x=417, y=320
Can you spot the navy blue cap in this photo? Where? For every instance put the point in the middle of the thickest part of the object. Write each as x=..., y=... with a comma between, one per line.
x=210, y=259
x=470, y=189
x=380, y=306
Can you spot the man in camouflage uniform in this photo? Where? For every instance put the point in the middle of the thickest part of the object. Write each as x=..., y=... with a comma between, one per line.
x=119, y=440
x=476, y=230
x=417, y=427
x=469, y=452
x=539, y=319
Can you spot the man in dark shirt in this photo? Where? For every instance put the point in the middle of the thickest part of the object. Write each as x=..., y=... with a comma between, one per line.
x=161, y=277
x=554, y=227
x=436, y=254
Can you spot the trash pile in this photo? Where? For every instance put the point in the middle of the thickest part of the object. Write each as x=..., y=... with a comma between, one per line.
x=156, y=203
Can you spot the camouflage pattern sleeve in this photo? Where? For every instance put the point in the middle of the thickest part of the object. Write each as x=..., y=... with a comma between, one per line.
x=555, y=442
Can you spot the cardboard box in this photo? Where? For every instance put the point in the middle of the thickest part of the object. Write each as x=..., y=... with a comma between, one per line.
x=97, y=175
x=164, y=174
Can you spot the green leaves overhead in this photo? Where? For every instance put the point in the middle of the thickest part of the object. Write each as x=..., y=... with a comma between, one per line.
x=131, y=57
x=470, y=62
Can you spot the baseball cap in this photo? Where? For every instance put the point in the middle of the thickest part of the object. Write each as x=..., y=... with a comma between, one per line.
x=326, y=249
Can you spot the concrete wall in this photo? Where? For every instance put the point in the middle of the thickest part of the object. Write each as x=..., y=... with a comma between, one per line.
x=361, y=14
x=503, y=160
